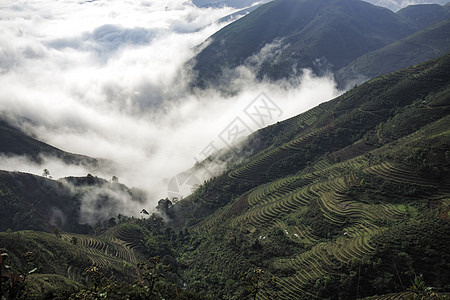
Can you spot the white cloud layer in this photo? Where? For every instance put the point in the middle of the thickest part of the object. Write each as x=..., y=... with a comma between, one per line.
x=108, y=79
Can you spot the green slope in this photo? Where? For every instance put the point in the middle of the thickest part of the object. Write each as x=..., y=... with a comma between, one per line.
x=60, y=262
x=347, y=201
x=423, y=45
x=33, y=202
x=338, y=31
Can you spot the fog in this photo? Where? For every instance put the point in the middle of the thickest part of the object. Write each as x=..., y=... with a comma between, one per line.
x=109, y=79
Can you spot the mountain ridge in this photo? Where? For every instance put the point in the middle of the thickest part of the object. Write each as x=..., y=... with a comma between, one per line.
x=421, y=46
x=321, y=35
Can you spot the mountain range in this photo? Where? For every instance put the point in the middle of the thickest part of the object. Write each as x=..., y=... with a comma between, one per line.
x=348, y=200
x=324, y=35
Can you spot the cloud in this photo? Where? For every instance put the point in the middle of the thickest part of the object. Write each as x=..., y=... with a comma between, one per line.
x=108, y=79
x=56, y=167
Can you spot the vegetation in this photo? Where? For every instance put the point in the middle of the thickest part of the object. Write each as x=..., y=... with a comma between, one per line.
x=349, y=200
x=425, y=44
x=39, y=203
x=324, y=35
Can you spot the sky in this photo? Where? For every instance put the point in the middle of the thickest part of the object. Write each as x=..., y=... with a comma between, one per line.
x=109, y=79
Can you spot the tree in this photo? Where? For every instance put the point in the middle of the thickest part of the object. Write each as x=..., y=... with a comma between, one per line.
x=112, y=222
x=421, y=291
x=57, y=232
x=256, y=280
x=12, y=280
x=164, y=205
x=46, y=173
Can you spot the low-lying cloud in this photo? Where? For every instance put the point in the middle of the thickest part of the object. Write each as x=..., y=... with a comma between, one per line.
x=108, y=79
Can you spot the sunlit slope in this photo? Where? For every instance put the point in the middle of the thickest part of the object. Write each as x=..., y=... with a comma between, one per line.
x=381, y=111
x=336, y=187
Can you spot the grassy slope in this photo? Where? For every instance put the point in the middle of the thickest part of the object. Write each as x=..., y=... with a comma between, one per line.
x=326, y=204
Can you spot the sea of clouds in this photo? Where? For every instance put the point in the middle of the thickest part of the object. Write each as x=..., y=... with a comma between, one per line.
x=109, y=79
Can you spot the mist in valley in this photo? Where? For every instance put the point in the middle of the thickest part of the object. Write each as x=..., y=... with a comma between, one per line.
x=111, y=79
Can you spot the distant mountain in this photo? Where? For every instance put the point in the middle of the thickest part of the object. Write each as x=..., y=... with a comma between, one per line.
x=428, y=43
x=33, y=202
x=395, y=5
x=314, y=34
x=421, y=16
x=14, y=142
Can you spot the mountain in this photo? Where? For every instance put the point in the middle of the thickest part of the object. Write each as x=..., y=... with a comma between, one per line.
x=421, y=16
x=14, y=142
x=349, y=200
x=311, y=33
x=34, y=202
x=239, y=13
x=423, y=45
x=395, y=5
x=280, y=38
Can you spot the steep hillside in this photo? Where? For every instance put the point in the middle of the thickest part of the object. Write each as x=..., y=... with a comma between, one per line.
x=421, y=16
x=324, y=35
x=131, y=260
x=334, y=32
x=332, y=126
x=64, y=258
x=348, y=200
x=425, y=44
x=396, y=5
x=14, y=142
x=34, y=202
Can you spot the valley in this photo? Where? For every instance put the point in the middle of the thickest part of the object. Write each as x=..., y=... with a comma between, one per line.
x=347, y=200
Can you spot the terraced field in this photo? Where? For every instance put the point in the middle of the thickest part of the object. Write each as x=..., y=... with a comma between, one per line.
x=395, y=296
x=261, y=164
x=113, y=249
x=326, y=185
x=396, y=173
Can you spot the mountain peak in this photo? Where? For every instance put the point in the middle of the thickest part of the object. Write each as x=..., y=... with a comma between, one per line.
x=335, y=30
